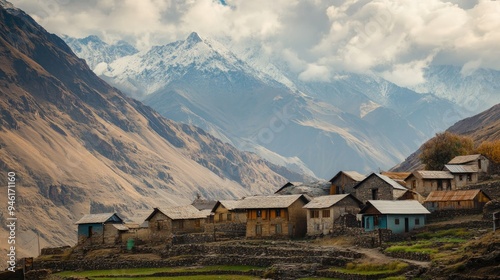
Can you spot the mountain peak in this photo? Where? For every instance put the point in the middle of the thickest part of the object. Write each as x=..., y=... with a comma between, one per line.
x=193, y=38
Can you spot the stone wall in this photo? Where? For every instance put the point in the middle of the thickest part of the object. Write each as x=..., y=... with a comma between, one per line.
x=364, y=190
x=443, y=215
x=492, y=189
x=226, y=230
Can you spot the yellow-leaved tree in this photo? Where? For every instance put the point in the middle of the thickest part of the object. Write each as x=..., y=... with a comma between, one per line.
x=443, y=147
x=490, y=149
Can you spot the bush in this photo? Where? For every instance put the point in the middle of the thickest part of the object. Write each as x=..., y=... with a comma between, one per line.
x=490, y=149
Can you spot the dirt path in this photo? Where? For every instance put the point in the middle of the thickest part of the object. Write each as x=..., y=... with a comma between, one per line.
x=374, y=255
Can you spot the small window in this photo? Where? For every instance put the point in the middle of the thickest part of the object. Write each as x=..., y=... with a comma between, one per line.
x=375, y=220
x=460, y=177
x=374, y=194
x=278, y=229
x=469, y=177
x=458, y=202
x=229, y=216
x=258, y=230
x=221, y=217
x=417, y=221
x=479, y=163
x=278, y=213
x=367, y=225
x=259, y=213
x=315, y=214
x=326, y=213
x=396, y=221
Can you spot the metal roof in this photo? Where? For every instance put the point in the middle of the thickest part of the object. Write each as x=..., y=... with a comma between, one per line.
x=432, y=174
x=96, y=218
x=397, y=176
x=461, y=168
x=396, y=207
x=202, y=204
x=326, y=201
x=120, y=227
x=230, y=204
x=458, y=195
x=351, y=174
x=389, y=181
x=464, y=159
x=180, y=213
x=270, y=201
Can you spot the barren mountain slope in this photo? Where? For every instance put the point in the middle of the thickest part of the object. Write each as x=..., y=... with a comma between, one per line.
x=78, y=145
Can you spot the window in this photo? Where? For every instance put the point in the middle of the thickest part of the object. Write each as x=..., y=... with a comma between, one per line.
x=221, y=217
x=278, y=213
x=440, y=185
x=258, y=230
x=448, y=185
x=396, y=221
x=314, y=214
x=469, y=177
x=259, y=213
x=460, y=177
x=374, y=194
x=414, y=184
x=229, y=216
x=278, y=229
x=417, y=221
x=375, y=220
x=326, y=213
x=479, y=163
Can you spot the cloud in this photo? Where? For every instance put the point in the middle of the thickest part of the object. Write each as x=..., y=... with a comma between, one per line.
x=313, y=37
x=315, y=73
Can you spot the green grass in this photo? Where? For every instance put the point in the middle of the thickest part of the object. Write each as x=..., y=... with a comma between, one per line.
x=196, y=277
x=371, y=268
x=419, y=247
x=150, y=271
x=458, y=233
x=318, y=278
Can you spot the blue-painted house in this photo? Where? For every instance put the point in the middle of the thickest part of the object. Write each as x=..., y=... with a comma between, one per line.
x=397, y=215
x=103, y=228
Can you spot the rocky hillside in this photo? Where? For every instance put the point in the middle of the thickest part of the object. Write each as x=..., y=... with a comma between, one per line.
x=77, y=144
x=484, y=126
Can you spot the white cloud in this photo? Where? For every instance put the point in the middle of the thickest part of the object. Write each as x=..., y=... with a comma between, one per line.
x=391, y=37
x=315, y=73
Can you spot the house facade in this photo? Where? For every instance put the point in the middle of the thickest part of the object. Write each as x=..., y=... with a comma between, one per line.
x=103, y=228
x=325, y=212
x=480, y=162
x=399, y=216
x=455, y=200
x=344, y=182
x=427, y=181
x=165, y=222
x=463, y=175
x=279, y=216
x=378, y=187
x=227, y=211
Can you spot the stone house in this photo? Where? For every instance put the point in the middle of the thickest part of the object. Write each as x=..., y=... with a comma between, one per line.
x=227, y=211
x=378, y=187
x=456, y=200
x=165, y=222
x=480, y=162
x=396, y=215
x=103, y=228
x=397, y=176
x=280, y=216
x=463, y=175
x=427, y=181
x=325, y=212
x=344, y=182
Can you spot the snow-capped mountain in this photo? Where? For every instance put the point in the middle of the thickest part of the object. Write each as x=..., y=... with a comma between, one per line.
x=354, y=122
x=95, y=51
x=474, y=90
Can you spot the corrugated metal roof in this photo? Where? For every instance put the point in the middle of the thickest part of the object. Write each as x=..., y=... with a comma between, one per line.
x=354, y=175
x=230, y=204
x=391, y=182
x=461, y=168
x=464, y=159
x=120, y=227
x=397, y=206
x=396, y=176
x=325, y=201
x=431, y=174
x=202, y=204
x=183, y=212
x=270, y=201
x=96, y=218
x=458, y=195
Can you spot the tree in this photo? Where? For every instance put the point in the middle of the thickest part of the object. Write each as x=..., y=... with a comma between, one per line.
x=491, y=150
x=443, y=147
